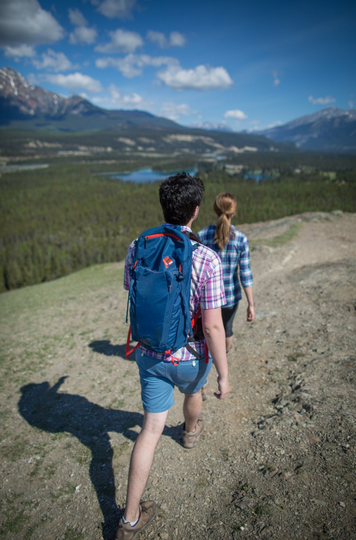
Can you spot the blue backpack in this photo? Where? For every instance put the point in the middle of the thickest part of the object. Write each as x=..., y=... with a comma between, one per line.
x=160, y=291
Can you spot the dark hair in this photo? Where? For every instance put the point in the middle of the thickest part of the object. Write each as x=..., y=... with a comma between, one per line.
x=179, y=196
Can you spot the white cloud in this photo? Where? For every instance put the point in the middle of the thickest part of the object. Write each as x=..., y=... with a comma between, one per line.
x=120, y=101
x=351, y=104
x=173, y=111
x=157, y=37
x=20, y=51
x=275, y=124
x=83, y=34
x=321, y=100
x=175, y=39
x=75, y=82
x=53, y=61
x=76, y=17
x=276, y=78
x=236, y=114
x=116, y=9
x=121, y=41
x=199, y=78
x=24, y=22
x=128, y=101
x=133, y=64
x=32, y=78
x=124, y=65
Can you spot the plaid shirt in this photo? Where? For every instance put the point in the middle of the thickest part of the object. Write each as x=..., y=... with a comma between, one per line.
x=206, y=291
x=236, y=255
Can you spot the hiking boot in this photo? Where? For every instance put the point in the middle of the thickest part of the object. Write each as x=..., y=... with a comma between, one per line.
x=147, y=513
x=190, y=438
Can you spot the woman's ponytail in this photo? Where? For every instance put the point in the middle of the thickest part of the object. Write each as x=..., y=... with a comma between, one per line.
x=225, y=209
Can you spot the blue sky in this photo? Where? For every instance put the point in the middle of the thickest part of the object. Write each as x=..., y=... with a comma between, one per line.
x=250, y=65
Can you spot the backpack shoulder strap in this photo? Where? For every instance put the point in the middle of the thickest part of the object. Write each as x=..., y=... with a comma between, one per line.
x=194, y=238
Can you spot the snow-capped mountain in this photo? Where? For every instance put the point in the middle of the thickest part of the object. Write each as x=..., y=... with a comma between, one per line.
x=30, y=100
x=330, y=129
x=20, y=100
x=216, y=126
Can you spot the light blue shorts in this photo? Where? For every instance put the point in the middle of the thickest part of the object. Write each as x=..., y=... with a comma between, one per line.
x=158, y=379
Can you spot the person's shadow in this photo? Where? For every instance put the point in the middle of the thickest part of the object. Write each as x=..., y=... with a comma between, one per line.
x=42, y=406
x=104, y=346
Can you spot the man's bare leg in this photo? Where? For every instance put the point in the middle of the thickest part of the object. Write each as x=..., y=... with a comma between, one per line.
x=192, y=410
x=141, y=461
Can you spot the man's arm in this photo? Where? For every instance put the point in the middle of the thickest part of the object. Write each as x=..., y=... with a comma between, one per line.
x=215, y=337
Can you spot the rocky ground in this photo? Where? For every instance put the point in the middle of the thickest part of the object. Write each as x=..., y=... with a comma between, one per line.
x=277, y=458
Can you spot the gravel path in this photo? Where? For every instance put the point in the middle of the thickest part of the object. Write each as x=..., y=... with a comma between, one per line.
x=277, y=458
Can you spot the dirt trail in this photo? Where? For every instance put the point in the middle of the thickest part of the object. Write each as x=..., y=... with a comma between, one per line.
x=277, y=458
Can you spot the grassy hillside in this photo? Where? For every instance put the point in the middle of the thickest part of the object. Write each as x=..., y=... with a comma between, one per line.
x=36, y=322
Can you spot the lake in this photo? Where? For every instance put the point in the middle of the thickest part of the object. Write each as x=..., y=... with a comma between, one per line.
x=12, y=168
x=257, y=177
x=148, y=175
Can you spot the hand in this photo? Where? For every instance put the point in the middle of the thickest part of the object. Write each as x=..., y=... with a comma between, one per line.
x=250, y=314
x=224, y=388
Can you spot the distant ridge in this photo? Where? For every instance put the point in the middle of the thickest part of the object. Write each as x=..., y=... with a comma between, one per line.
x=330, y=129
x=21, y=101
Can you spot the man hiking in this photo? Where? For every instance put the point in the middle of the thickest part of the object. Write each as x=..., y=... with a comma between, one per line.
x=180, y=197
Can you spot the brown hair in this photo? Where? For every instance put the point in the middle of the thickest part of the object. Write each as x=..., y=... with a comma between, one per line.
x=225, y=209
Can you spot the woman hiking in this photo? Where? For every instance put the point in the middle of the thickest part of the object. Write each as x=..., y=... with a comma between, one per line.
x=233, y=249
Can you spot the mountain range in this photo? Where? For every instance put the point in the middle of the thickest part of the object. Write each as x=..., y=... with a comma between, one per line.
x=331, y=129
x=23, y=105
x=27, y=107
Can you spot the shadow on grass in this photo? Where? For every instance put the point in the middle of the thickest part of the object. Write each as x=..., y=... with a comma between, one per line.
x=104, y=346
x=43, y=407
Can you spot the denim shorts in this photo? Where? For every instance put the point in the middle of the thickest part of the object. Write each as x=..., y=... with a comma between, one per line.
x=158, y=379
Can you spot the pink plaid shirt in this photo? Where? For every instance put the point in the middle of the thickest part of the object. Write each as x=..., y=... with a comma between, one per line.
x=206, y=291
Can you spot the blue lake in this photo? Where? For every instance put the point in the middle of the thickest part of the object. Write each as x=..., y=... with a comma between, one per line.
x=148, y=175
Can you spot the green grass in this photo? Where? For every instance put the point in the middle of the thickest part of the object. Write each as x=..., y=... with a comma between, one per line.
x=54, y=299
x=280, y=240
x=263, y=509
x=58, y=292
x=72, y=534
x=13, y=524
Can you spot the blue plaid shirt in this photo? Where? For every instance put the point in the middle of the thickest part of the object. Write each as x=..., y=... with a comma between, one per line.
x=235, y=262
